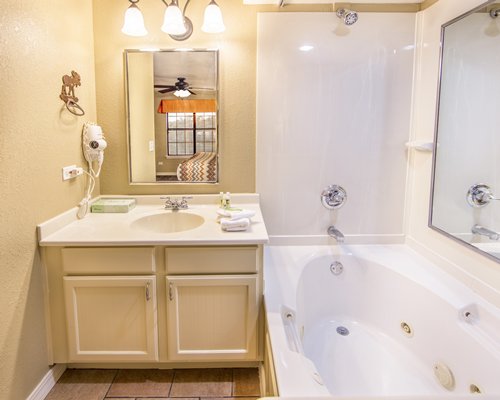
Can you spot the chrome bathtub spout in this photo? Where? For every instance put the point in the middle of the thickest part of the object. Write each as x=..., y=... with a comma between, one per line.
x=336, y=234
x=481, y=230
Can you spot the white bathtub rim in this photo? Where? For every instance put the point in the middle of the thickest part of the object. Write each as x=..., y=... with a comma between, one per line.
x=420, y=270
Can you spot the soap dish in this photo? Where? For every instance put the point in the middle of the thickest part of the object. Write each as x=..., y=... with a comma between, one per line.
x=123, y=205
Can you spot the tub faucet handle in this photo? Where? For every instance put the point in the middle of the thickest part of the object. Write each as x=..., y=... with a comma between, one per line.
x=333, y=197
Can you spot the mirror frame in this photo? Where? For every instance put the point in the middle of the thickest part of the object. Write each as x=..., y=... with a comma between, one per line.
x=435, y=144
x=127, y=112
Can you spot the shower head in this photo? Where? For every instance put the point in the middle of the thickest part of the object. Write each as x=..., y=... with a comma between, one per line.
x=347, y=16
x=494, y=12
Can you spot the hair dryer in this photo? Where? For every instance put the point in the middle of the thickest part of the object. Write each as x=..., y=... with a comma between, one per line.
x=93, y=147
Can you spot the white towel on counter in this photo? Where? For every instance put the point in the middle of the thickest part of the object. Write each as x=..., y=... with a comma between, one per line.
x=235, y=213
x=234, y=225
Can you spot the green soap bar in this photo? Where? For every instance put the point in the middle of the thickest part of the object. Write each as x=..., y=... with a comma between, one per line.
x=112, y=205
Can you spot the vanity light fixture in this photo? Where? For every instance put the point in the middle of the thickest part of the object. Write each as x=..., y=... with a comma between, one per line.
x=212, y=19
x=175, y=21
x=133, y=23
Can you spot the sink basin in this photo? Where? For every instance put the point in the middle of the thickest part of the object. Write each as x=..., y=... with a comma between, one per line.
x=168, y=222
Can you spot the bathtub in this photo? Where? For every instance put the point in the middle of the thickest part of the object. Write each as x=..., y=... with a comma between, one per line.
x=376, y=321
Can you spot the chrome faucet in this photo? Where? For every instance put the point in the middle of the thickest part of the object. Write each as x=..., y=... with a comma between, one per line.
x=176, y=204
x=481, y=230
x=336, y=234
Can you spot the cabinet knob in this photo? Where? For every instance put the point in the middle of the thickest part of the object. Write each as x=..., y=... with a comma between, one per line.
x=148, y=296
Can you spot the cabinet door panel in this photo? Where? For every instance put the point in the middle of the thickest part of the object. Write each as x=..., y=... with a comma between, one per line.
x=212, y=317
x=111, y=318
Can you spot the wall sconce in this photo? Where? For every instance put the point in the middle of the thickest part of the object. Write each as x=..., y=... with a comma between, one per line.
x=175, y=22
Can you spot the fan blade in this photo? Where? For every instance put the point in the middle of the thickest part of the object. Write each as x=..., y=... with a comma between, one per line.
x=169, y=89
x=164, y=86
x=190, y=91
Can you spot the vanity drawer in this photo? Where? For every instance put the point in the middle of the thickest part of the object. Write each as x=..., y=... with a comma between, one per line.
x=108, y=260
x=211, y=260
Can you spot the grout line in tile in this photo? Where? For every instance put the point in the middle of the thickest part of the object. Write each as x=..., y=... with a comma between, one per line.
x=112, y=381
x=232, y=383
x=174, y=371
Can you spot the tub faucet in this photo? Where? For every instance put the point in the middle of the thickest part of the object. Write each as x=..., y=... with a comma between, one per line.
x=481, y=230
x=336, y=234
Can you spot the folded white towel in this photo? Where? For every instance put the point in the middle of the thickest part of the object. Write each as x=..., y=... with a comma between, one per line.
x=230, y=225
x=235, y=213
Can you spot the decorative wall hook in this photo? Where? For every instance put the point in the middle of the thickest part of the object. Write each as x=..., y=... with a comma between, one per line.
x=68, y=93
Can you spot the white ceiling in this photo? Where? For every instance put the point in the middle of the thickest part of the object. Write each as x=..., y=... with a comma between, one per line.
x=198, y=67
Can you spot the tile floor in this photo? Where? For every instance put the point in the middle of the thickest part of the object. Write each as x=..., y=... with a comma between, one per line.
x=157, y=384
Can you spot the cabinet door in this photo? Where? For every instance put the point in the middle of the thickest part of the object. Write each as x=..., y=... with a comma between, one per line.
x=111, y=318
x=212, y=317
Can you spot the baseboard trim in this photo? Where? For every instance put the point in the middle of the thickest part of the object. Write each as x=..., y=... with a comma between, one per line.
x=47, y=382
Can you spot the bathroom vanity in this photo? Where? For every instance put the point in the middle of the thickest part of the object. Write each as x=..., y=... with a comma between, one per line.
x=154, y=285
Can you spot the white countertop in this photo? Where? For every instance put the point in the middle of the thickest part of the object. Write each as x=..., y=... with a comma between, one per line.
x=115, y=229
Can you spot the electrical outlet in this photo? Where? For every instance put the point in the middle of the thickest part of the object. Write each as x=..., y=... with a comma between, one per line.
x=71, y=171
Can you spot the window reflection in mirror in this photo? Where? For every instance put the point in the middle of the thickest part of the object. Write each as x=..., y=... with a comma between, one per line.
x=467, y=132
x=172, y=105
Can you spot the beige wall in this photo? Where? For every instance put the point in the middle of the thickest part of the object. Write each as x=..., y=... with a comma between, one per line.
x=237, y=85
x=40, y=42
x=142, y=121
x=480, y=273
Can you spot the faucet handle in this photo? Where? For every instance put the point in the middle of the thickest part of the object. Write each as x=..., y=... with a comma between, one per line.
x=334, y=196
x=168, y=202
x=479, y=195
x=184, y=203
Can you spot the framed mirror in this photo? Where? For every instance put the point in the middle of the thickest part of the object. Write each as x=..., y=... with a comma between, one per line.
x=172, y=116
x=466, y=166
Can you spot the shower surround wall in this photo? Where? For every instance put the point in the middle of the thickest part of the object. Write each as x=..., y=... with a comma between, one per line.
x=336, y=114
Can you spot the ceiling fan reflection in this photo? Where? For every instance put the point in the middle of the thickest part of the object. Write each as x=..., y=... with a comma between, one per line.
x=180, y=86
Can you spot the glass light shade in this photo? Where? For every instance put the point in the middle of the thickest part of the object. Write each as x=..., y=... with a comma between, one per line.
x=212, y=21
x=182, y=93
x=133, y=23
x=173, y=20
